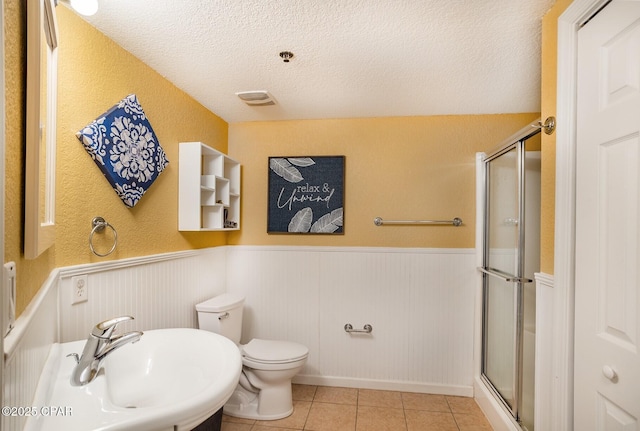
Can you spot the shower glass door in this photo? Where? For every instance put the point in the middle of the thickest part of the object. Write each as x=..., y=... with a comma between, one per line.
x=501, y=296
x=512, y=208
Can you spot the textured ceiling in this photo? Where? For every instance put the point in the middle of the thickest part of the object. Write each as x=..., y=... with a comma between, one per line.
x=353, y=58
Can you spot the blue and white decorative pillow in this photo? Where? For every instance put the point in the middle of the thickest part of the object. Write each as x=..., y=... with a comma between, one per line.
x=125, y=148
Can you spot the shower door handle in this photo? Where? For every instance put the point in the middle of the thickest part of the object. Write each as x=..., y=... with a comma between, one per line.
x=503, y=276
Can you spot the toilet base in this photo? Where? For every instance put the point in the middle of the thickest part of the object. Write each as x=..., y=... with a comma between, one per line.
x=244, y=404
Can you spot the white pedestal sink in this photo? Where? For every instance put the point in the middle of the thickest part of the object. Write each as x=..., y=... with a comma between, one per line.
x=170, y=378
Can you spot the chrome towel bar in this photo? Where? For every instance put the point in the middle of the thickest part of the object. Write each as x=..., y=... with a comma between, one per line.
x=378, y=221
x=366, y=329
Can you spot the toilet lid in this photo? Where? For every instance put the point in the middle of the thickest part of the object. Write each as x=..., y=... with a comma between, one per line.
x=220, y=303
x=274, y=351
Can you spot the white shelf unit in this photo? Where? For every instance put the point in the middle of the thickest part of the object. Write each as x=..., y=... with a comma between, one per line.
x=208, y=189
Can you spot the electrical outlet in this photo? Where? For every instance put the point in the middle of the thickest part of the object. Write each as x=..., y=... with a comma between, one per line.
x=79, y=286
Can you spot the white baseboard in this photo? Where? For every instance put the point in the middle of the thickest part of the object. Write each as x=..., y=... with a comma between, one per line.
x=493, y=409
x=384, y=385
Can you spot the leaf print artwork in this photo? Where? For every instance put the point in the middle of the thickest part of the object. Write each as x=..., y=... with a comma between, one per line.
x=303, y=162
x=301, y=222
x=285, y=169
x=329, y=222
x=306, y=195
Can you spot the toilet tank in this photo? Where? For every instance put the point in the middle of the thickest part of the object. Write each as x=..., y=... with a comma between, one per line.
x=223, y=315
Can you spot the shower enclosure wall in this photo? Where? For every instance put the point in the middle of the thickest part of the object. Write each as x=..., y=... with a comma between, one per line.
x=511, y=256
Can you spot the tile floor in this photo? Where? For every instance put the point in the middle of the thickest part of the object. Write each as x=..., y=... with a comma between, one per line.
x=323, y=408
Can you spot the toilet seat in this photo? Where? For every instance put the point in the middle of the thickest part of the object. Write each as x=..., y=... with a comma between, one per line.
x=273, y=352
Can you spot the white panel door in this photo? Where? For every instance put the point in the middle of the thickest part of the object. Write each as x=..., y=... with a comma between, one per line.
x=607, y=283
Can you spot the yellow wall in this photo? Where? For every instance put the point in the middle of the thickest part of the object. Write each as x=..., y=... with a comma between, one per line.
x=548, y=108
x=396, y=168
x=94, y=74
x=416, y=167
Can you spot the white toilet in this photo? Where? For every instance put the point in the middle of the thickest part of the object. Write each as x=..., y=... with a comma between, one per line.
x=264, y=390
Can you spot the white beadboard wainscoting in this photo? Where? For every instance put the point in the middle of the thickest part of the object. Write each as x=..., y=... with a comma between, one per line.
x=549, y=408
x=159, y=291
x=420, y=303
x=26, y=349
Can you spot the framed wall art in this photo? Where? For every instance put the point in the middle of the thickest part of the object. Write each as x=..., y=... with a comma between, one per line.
x=306, y=195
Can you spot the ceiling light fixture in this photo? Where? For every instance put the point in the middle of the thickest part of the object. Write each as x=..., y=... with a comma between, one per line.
x=83, y=7
x=286, y=56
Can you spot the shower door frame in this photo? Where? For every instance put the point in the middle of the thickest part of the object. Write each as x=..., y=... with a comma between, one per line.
x=517, y=142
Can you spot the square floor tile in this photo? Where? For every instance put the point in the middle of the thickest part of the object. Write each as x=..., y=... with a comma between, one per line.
x=234, y=426
x=370, y=397
x=268, y=428
x=421, y=420
x=429, y=402
x=324, y=408
x=472, y=422
x=303, y=392
x=380, y=419
x=464, y=405
x=331, y=417
x=326, y=394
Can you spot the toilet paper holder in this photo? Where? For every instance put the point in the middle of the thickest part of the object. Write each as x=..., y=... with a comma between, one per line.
x=366, y=329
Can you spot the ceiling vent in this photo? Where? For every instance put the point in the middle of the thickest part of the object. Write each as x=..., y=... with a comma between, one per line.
x=257, y=98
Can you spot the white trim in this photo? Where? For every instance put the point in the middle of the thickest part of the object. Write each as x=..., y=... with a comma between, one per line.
x=385, y=385
x=564, y=252
x=331, y=249
x=546, y=280
x=546, y=338
x=88, y=268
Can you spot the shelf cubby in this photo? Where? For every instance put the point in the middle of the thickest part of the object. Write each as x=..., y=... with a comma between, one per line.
x=208, y=189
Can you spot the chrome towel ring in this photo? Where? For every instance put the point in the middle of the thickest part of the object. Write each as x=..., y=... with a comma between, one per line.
x=99, y=224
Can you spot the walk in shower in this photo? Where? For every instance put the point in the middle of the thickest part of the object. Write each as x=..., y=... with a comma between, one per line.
x=511, y=256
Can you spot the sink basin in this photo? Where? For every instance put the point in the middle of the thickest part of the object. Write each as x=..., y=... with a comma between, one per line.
x=170, y=378
x=164, y=368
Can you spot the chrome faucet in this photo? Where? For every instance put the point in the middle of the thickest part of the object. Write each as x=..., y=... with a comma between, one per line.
x=100, y=344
